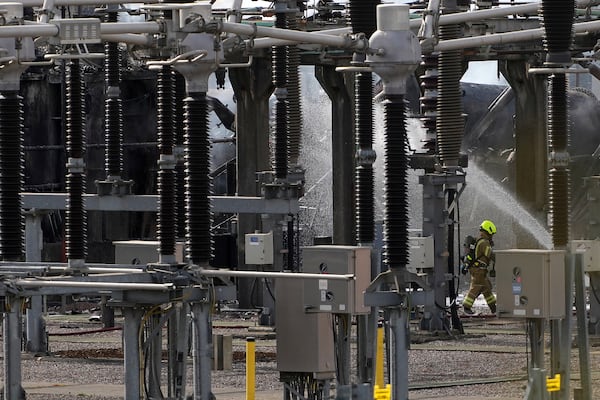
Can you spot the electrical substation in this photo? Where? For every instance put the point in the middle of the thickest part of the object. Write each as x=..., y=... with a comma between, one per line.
x=114, y=185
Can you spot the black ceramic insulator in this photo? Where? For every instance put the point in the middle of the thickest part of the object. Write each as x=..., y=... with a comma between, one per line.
x=558, y=124
x=395, y=233
x=75, y=223
x=558, y=140
x=363, y=175
x=449, y=118
x=166, y=221
x=428, y=102
x=113, y=125
x=294, y=114
x=113, y=110
x=165, y=108
x=280, y=154
x=557, y=17
x=363, y=16
x=180, y=168
x=11, y=176
x=559, y=189
x=165, y=224
x=198, y=185
x=279, y=55
x=75, y=118
x=111, y=57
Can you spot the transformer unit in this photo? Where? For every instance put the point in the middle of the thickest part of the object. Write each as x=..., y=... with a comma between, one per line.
x=530, y=283
x=591, y=253
x=336, y=296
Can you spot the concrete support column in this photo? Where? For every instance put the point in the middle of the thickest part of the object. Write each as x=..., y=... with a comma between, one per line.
x=252, y=87
x=531, y=162
x=339, y=88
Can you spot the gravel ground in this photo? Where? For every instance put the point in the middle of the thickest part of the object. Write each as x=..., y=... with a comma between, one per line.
x=490, y=349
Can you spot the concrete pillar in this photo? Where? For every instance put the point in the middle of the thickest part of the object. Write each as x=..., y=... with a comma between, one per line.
x=530, y=133
x=339, y=88
x=252, y=87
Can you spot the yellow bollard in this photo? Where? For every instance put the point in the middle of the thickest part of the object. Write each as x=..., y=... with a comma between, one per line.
x=379, y=357
x=250, y=369
x=383, y=393
x=553, y=384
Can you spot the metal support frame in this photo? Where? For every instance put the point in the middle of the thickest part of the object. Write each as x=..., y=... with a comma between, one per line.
x=12, y=332
x=435, y=223
x=201, y=349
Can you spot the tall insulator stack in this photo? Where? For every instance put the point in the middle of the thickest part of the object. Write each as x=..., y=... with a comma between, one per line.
x=449, y=118
x=294, y=112
x=113, y=110
x=428, y=102
x=396, y=250
x=166, y=221
x=179, y=140
x=11, y=176
x=363, y=19
x=75, y=224
x=198, y=184
x=280, y=159
x=558, y=19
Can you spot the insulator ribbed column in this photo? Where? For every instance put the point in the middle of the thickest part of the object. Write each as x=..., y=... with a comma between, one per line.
x=557, y=17
x=449, y=120
x=557, y=20
x=280, y=68
x=363, y=18
x=395, y=234
x=198, y=184
x=11, y=176
x=364, y=186
x=75, y=224
x=113, y=109
x=559, y=174
x=179, y=140
x=294, y=112
x=428, y=102
x=166, y=221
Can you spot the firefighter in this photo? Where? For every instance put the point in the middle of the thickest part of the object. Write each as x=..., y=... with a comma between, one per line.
x=477, y=264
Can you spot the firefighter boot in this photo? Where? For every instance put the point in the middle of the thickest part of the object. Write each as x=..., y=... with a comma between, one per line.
x=493, y=308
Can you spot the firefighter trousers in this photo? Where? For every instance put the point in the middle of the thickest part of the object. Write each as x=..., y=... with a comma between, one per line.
x=480, y=284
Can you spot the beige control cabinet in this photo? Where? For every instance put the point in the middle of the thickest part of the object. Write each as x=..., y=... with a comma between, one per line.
x=530, y=283
x=336, y=296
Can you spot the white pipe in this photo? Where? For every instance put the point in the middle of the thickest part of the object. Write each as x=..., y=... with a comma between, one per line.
x=108, y=28
x=39, y=3
x=508, y=37
x=529, y=8
x=296, y=36
x=93, y=285
x=269, y=42
x=129, y=38
x=260, y=274
x=28, y=30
